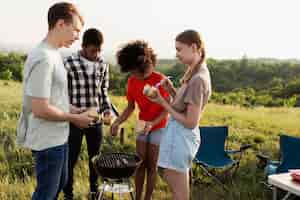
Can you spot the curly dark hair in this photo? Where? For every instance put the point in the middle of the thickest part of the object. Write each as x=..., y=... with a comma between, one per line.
x=136, y=55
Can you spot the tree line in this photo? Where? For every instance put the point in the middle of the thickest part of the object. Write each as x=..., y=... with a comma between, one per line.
x=247, y=82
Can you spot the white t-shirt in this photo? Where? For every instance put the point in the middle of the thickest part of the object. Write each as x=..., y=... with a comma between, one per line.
x=90, y=65
x=47, y=79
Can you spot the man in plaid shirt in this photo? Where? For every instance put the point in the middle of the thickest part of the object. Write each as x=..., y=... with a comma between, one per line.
x=88, y=81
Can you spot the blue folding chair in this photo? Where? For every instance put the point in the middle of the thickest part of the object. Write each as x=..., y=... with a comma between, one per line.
x=289, y=156
x=212, y=154
x=289, y=159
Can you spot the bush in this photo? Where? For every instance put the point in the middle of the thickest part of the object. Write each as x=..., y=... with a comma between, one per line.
x=297, y=103
x=11, y=66
x=6, y=75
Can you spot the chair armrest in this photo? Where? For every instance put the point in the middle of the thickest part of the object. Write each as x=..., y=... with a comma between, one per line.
x=274, y=162
x=195, y=160
x=233, y=151
x=245, y=147
x=242, y=148
x=263, y=157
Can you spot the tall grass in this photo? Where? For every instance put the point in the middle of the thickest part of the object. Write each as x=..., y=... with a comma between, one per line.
x=259, y=126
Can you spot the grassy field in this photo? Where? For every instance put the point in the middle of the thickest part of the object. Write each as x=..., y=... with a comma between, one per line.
x=259, y=126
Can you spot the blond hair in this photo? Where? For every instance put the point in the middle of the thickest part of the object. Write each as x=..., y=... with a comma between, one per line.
x=190, y=37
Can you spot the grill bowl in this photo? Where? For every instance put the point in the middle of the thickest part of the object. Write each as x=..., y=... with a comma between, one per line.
x=116, y=165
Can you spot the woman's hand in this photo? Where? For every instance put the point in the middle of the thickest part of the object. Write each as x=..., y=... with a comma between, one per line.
x=148, y=127
x=157, y=97
x=167, y=85
x=114, y=129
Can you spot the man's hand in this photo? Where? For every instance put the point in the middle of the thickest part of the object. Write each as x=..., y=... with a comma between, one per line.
x=81, y=120
x=76, y=110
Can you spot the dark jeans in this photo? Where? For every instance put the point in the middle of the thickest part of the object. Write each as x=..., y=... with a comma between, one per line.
x=51, y=168
x=93, y=136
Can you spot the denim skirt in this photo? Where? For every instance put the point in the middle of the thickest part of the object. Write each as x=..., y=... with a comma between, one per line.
x=178, y=146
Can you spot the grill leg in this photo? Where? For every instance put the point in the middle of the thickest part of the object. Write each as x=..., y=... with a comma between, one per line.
x=132, y=196
x=112, y=194
x=132, y=192
x=101, y=193
x=120, y=194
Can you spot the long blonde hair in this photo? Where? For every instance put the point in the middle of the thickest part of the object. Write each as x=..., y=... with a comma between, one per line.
x=190, y=37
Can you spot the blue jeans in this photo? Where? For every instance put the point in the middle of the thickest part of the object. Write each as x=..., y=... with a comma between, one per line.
x=51, y=168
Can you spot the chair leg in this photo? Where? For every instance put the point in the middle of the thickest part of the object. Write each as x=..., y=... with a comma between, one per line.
x=265, y=184
x=231, y=171
x=214, y=178
x=194, y=179
x=236, y=167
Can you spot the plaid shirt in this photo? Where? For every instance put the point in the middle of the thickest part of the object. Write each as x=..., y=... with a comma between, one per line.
x=87, y=90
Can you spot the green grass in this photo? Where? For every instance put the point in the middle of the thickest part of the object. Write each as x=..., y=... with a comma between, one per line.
x=259, y=126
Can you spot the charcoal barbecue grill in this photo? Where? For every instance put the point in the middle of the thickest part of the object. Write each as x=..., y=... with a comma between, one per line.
x=116, y=166
x=116, y=170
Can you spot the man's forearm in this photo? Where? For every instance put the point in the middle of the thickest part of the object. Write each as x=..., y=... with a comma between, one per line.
x=51, y=113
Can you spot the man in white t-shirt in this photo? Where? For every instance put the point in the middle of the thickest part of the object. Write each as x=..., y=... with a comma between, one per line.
x=44, y=123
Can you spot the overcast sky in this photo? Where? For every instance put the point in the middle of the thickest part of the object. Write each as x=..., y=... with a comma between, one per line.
x=231, y=28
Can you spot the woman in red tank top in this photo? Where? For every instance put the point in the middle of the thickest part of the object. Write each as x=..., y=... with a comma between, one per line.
x=139, y=60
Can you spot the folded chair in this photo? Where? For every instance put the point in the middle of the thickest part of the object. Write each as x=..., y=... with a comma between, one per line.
x=212, y=154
